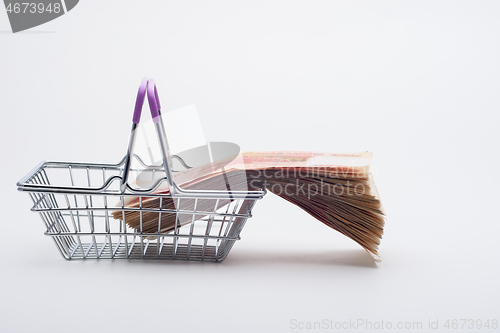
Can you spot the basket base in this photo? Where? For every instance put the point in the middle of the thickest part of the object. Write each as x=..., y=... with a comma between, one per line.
x=147, y=249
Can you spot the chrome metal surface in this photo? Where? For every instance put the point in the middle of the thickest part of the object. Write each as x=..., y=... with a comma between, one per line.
x=76, y=202
x=78, y=216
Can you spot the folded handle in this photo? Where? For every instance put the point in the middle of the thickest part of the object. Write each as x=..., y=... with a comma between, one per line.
x=154, y=106
x=149, y=87
x=144, y=88
x=153, y=100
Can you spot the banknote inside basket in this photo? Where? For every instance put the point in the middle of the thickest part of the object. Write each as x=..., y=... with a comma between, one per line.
x=336, y=189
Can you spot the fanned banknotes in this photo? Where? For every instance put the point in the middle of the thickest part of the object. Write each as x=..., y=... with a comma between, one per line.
x=336, y=189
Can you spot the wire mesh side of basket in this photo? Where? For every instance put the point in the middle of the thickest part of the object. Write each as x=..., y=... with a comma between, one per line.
x=82, y=225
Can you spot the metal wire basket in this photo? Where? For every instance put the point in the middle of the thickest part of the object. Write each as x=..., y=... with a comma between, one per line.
x=75, y=202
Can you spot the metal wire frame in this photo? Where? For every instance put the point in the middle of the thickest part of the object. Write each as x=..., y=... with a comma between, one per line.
x=78, y=217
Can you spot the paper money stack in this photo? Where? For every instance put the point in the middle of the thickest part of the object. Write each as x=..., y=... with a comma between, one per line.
x=336, y=189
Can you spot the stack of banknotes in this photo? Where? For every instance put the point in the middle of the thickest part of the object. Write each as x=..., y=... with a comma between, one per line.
x=336, y=189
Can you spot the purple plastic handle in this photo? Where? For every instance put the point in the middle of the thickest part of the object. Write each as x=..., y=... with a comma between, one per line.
x=139, y=102
x=157, y=98
x=154, y=101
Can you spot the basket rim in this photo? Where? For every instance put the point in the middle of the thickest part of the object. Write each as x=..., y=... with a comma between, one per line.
x=22, y=185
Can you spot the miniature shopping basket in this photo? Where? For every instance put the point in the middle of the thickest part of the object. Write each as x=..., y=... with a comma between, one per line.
x=76, y=202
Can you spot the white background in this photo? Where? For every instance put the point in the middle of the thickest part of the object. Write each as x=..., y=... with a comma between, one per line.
x=415, y=82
